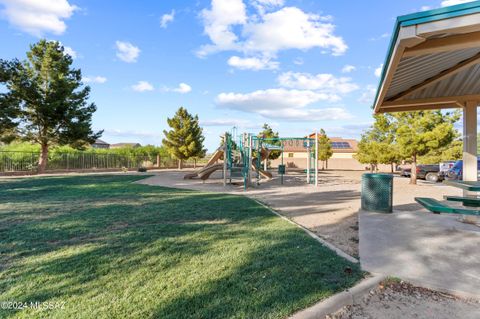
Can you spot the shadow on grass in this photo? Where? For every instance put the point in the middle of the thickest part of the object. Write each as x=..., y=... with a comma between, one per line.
x=179, y=254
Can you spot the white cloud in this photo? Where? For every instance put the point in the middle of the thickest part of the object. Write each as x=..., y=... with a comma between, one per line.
x=266, y=33
x=447, y=3
x=71, y=52
x=378, y=71
x=282, y=104
x=167, y=18
x=127, y=52
x=38, y=17
x=142, y=86
x=291, y=28
x=368, y=95
x=252, y=63
x=182, y=88
x=348, y=68
x=94, y=79
x=325, y=83
x=218, y=22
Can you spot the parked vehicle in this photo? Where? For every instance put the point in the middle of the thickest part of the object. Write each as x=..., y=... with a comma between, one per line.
x=456, y=172
x=429, y=172
x=405, y=172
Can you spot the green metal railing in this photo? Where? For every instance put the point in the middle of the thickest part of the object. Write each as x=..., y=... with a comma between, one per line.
x=17, y=161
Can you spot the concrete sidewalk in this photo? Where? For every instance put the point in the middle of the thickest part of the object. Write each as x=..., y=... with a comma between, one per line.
x=435, y=251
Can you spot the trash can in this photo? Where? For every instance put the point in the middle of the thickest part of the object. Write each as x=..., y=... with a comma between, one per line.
x=377, y=192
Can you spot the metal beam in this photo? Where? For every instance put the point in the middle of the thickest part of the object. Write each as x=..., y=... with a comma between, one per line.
x=442, y=75
x=451, y=43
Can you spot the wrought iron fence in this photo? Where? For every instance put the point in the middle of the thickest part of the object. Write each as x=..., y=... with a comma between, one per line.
x=15, y=161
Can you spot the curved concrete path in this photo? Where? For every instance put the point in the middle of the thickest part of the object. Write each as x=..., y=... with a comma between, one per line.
x=434, y=251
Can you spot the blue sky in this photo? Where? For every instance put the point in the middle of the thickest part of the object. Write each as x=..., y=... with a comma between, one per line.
x=297, y=65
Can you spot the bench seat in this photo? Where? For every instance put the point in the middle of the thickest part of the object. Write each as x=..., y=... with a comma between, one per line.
x=435, y=206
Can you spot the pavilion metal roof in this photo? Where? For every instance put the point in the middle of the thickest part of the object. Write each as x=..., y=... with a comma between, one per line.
x=433, y=60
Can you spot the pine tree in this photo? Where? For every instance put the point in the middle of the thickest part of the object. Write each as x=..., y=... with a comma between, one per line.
x=419, y=133
x=185, y=139
x=47, y=103
x=324, y=148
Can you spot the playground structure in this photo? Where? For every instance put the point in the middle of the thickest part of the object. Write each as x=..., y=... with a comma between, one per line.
x=242, y=157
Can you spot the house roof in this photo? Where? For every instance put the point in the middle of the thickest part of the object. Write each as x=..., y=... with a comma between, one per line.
x=433, y=60
x=337, y=147
x=99, y=141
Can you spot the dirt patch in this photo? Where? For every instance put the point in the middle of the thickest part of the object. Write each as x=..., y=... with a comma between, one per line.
x=397, y=299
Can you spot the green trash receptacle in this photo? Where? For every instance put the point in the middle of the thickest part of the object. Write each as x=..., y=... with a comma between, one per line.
x=377, y=192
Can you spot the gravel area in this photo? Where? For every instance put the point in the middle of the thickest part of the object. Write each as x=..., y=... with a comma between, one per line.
x=397, y=299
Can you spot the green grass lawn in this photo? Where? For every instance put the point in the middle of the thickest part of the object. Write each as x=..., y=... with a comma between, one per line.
x=102, y=247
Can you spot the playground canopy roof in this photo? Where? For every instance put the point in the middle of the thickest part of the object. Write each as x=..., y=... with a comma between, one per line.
x=433, y=61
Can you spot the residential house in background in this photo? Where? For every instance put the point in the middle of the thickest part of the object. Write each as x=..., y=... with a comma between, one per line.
x=295, y=155
x=101, y=144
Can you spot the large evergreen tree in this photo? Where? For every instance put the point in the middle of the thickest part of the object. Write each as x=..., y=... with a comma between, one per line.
x=422, y=132
x=185, y=139
x=47, y=102
x=324, y=148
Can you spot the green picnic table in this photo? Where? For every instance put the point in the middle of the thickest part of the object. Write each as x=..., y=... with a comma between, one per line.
x=470, y=200
x=468, y=186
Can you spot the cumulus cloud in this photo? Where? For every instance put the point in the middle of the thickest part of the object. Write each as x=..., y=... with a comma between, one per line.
x=182, y=88
x=127, y=52
x=71, y=52
x=447, y=3
x=291, y=28
x=325, y=83
x=378, y=71
x=282, y=104
x=263, y=35
x=94, y=79
x=38, y=17
x=348, y=68
x=255, y=64
x=142, y=86
x=167, y=18
x=218, y=23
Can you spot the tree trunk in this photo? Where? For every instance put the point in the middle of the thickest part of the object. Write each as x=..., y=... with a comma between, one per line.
x=326, y=164
x=180, y=164
x=372, y=168
x=158, y=161
x=194, y=163
x=43, y=159
x=391, y=168
x=413, y=172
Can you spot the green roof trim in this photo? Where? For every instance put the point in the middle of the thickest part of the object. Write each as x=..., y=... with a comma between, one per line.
x=424, y=17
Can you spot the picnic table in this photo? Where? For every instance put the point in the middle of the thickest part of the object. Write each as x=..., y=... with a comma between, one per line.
x=468, y=186
x=473, y=201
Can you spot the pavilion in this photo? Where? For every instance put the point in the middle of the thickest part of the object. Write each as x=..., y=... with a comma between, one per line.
x=433, y=62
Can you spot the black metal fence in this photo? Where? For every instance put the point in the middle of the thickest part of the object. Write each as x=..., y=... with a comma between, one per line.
x=15, y=161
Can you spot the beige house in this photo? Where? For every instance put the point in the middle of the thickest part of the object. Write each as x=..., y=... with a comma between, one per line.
x=295, y=155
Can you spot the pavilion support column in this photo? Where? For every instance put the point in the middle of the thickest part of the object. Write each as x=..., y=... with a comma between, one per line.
x=470, y=168
x=470, y=141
